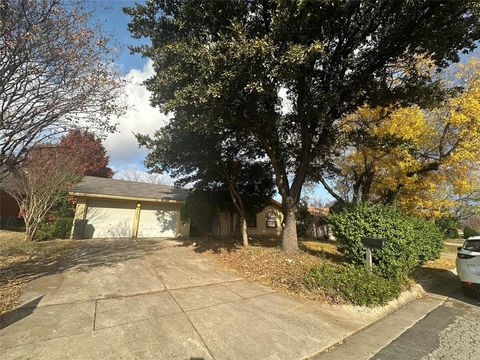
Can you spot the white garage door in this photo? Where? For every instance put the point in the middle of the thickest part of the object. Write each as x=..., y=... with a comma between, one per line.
x=157, y=221
x=109, y=218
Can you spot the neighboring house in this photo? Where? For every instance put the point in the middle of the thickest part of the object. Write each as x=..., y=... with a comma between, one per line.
x=267, y=222
x=9, y=210
x=119, y=208
x=319, y=227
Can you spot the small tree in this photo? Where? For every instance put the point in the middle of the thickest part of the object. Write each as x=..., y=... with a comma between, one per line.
x=40, y=183
x=214, y=160
x=56, y=72
x=90, y=152
x=91, y=159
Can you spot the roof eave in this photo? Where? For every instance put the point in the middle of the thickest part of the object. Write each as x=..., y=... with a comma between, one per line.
x=121, y=197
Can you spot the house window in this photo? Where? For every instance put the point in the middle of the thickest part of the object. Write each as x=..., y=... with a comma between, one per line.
x=271, y=221
x=251, y=221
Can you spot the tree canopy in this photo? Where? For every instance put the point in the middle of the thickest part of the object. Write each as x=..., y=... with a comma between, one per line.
x=212, y=159
x=285, y=72
x=424, y=159
x=56, y=73
x=89, y=148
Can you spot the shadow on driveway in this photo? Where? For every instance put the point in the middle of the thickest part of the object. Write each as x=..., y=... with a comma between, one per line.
x=20, y=313
x=444, y=283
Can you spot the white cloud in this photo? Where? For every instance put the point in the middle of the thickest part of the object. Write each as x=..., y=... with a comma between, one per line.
x=122, y=146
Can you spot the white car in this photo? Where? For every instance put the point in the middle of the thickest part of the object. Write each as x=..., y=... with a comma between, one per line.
x=468, y=266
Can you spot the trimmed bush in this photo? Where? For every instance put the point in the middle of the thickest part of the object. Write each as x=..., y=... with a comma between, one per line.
x=428, y=239
x=352, y=284
x=411, y=240
x=448, y=225
x=59, y=228
x=468, y=231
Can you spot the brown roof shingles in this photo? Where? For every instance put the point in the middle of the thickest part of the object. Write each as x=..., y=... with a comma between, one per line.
x=113, y=187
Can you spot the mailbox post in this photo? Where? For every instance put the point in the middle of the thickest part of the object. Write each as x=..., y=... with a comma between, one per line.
x=372, y=243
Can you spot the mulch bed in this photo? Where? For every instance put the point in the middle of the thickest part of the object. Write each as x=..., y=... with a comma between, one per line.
x=264, y=262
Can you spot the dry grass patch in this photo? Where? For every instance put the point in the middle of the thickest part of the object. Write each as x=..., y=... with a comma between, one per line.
x=445, y=263
x=264, y=262
x=22, y=261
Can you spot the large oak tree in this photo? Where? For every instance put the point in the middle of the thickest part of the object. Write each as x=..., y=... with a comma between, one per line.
x=286, y=71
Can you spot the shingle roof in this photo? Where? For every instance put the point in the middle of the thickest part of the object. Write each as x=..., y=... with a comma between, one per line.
x=103, y=186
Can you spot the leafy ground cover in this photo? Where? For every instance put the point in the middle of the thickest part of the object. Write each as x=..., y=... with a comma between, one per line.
x=318, y=272
x=22, y=261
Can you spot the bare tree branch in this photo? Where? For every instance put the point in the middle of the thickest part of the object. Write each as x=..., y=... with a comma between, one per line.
x=140, y=176
x=56, y=73
x=39, y=183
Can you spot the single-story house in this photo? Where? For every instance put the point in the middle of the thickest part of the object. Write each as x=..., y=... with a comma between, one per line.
x=267, y=222
x=120, y=208
x=109, y=208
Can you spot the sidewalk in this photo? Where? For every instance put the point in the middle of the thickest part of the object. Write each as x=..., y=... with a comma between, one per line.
x=368, y=342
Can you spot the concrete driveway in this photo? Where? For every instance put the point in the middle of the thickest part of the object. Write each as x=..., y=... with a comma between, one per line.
x=154, y=298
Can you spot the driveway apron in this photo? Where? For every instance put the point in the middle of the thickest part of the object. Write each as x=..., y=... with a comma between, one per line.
x=158, y=299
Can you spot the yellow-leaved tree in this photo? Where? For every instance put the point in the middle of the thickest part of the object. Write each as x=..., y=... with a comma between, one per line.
x=424, y=160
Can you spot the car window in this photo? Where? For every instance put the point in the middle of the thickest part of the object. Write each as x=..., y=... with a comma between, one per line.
x=472, y=245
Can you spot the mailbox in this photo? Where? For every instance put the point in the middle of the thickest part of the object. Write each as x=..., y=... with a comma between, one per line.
x=374, y=243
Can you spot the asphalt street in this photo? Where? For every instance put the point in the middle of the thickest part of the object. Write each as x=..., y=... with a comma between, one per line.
x=451, y=331
x=443, y=324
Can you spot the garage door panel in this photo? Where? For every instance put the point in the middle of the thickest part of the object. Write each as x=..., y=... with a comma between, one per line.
x=109, y=219
x=157, y=221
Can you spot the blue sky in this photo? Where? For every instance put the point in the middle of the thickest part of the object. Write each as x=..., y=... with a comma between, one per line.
x=110, y=16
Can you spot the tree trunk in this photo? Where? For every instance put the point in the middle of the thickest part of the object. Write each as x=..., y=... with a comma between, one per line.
x=243, y=225
x=30, y=230
x=238, y=202
x=27, y=231
x=289, y=234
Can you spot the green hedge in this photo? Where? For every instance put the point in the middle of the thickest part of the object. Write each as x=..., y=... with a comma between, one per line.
x=59, y=228
x=353, y=284
x=411, y=240
x=448, y=225
x=468, y=231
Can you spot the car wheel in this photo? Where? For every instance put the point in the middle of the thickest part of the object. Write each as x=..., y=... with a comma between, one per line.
x=468, y=291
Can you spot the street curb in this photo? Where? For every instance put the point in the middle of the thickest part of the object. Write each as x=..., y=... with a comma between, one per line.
x=417, y=291
x=413, y=293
